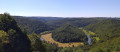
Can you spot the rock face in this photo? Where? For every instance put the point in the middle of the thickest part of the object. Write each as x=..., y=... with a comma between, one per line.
x=69, y=33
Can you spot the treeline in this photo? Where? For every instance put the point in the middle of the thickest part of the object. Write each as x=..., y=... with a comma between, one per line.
x=69, y=33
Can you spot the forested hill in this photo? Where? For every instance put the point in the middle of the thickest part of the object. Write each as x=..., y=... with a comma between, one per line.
x=12, y=39
x=31, y=25
x=43, y=19
x=69, y=33
x=41, y=24
x=109, y=33
x=112, y=45
x=46, y=19
x=106, y=29
x=79, y=22
x=56, y=22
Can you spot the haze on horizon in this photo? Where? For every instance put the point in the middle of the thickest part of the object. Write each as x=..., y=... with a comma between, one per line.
x=62, y=8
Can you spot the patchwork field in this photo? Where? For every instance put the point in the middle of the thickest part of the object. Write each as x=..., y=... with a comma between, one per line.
x=49, y=39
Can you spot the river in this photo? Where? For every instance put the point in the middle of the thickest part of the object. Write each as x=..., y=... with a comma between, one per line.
x=42, y=39
x=89, y=39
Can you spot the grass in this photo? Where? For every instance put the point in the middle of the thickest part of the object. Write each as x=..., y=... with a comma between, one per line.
x=80, y=28
x=49, y=39
x=97, y=38
x=90, y=33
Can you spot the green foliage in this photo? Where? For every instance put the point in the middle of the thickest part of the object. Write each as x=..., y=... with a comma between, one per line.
x=69, y=33
x=45, y=32
x=79, y=22
x=106, y=29
x=49, y=47
x=3, y=40
x=7, y=22
x=92, y=35
x=32, y=26
x=67, y=50
x=36, y=43
x=71, y=49
x=107, y=32
x=89, y=32
x=17, y=40
x=108, y=46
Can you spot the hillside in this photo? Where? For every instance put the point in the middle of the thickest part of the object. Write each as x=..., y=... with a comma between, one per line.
x=12, y=39
x=69, y=33
x=31, y=26
x=79, y=22
x=46, y=19
x=106, y=29
x=108, y=46
x=43, y=19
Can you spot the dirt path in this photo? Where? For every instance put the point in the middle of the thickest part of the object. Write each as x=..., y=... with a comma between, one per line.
x=48, y=38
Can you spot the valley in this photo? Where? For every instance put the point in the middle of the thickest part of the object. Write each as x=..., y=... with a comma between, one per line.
x=59, y=25
x=48, y=38
x=59, y=34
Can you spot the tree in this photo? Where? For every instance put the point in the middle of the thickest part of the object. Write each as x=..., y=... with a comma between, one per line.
x=36, y=43
x=16, y=38
x=3, y=40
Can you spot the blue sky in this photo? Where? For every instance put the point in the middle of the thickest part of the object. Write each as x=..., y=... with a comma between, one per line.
x=62, y=8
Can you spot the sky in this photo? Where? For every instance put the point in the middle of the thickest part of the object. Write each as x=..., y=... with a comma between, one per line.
x=62, y=8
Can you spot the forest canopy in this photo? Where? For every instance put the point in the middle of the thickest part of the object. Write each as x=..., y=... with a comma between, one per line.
x=69, y=33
